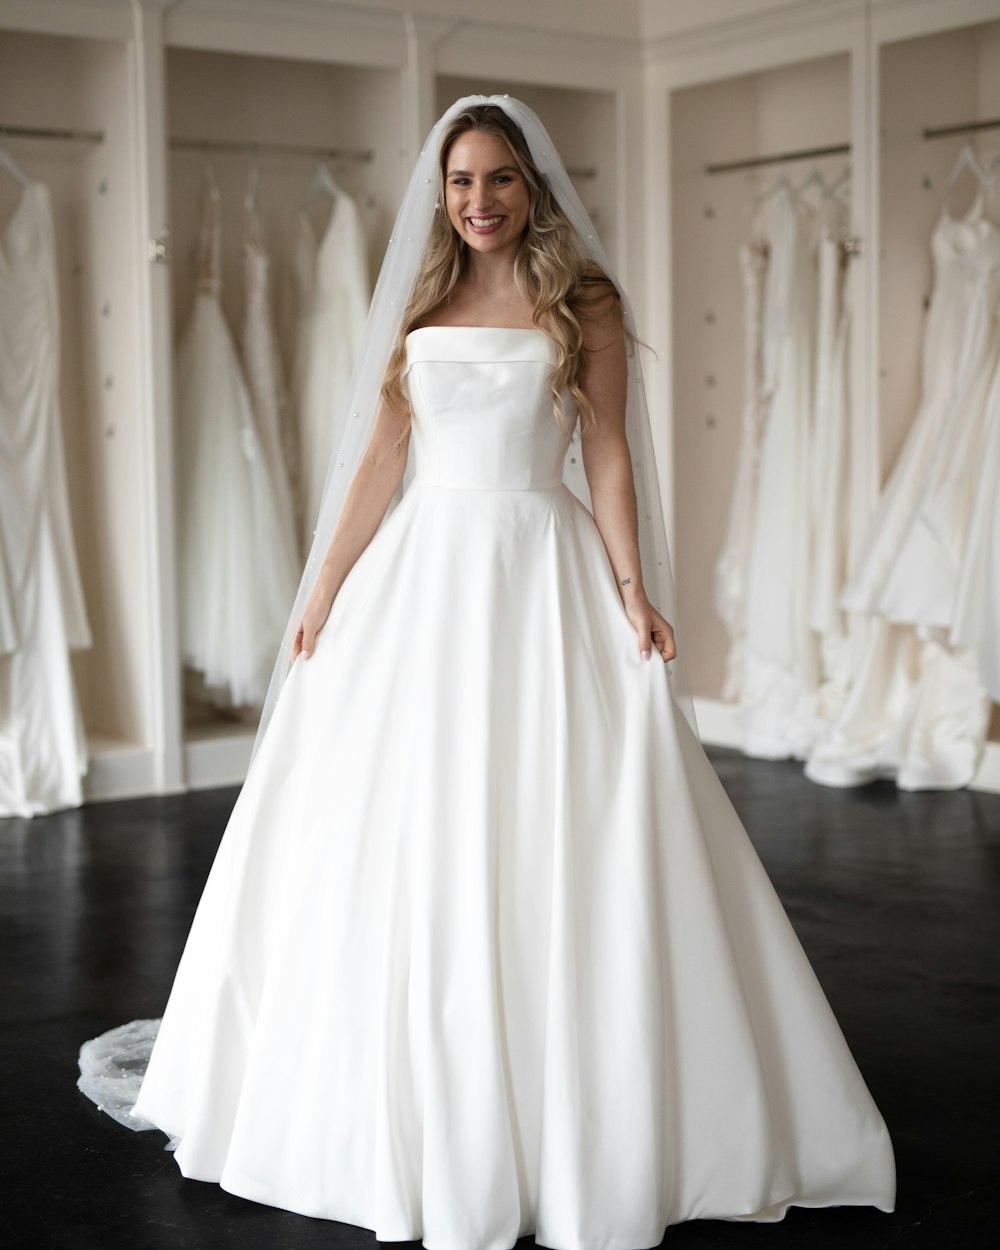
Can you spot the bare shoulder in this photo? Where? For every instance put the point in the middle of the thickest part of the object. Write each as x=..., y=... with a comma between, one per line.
x=597, y=306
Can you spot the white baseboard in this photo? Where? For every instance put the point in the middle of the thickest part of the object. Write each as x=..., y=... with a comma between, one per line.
x=117, y=770
x=218, y=760
x=123, y=770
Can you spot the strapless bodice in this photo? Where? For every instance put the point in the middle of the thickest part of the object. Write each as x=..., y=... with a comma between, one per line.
x=482, y=409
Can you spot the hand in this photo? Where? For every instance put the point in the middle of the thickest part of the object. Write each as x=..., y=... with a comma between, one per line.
x=313, y=620
x=652, y=628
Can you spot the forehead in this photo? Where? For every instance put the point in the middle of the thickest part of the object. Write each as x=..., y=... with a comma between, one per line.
x=475, y=149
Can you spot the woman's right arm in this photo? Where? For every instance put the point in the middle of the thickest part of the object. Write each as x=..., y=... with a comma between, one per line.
x=378, y=476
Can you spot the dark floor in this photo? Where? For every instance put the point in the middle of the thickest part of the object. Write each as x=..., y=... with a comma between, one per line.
x=895, y=897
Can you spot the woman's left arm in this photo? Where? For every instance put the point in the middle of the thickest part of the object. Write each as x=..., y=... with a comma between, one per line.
x=608, y=465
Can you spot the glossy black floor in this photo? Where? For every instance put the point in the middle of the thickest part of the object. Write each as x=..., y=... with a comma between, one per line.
x=895, y=897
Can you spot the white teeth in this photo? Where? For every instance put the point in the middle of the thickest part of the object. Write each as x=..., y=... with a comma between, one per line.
x=480, y=222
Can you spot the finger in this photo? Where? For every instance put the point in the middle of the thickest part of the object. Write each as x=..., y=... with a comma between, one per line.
x=308, y=642
x=664, y=637
x=645, y=638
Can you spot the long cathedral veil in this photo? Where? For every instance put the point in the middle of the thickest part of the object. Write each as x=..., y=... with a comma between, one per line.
x=389, y=302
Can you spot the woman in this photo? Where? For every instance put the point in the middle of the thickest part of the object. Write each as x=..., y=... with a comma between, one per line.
x=485, y=950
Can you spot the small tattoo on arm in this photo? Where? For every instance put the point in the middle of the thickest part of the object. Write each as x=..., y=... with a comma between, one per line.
x=626, y=580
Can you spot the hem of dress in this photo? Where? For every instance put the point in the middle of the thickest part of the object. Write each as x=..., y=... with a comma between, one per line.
x=241, y=1186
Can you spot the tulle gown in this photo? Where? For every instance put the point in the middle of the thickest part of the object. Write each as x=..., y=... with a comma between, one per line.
x=485, y=949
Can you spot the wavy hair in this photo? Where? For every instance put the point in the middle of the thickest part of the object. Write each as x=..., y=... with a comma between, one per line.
x=550, y=269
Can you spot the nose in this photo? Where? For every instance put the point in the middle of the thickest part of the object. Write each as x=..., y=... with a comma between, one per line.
x=482, y=196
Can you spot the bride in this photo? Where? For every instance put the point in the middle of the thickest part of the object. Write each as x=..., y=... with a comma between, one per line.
x=485, y=950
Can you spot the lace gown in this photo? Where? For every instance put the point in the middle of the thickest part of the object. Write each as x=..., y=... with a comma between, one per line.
x=485, y=948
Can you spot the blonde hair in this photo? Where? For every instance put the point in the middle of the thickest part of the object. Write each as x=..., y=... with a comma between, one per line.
x=550, y=269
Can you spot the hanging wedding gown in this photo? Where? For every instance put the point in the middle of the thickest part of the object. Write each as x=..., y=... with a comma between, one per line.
x=916, y=710
x=468, y=963
x=333, y=304
x=43, y=748
x=265, y=378
x=844, y=474
x=781, y=669
x=976, y=622
x=922, y=580
x=238, y=573
x=732, y=566
x=957, y=342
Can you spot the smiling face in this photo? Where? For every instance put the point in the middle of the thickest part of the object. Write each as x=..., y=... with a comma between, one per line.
x=486, y=195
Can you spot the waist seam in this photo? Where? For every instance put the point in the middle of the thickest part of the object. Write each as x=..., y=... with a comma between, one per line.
x=427, y=481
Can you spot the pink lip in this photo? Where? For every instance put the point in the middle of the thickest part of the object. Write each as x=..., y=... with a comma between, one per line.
x=485, y=229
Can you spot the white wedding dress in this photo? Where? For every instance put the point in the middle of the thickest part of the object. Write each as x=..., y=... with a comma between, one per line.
x=237, y=559
x=43, y=615
x=916, y=710
x=265, y=379
x=781, y=665
x=485, y=949
x=732, y=566
x=333, y=309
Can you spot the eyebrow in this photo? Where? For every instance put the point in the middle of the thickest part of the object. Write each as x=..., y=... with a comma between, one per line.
x=465, y=173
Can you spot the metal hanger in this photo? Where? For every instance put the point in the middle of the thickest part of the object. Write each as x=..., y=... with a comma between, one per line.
x=967, y=159
x=8, y=163
x=782, y=183
x=815, y=179
x=323, y=180
x=842, y=180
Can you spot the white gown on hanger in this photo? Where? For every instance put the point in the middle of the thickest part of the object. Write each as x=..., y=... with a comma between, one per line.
x=485, y=948
x=265, y=379
x=43, y=747
x=732, y=566
x=976, y=621
x=844, y=475
x=238, y=573
x=333, y=309
x=922, y=581
x=956, y=340
x=781, y=664
x=916, y=710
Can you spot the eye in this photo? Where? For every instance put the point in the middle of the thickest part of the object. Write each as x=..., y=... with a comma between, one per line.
x=459, y=182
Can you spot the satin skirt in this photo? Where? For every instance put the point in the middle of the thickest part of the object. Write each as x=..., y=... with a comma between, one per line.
x=485, y=949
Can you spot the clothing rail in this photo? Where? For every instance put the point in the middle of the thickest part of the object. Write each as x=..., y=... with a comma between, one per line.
x=960, y=128
x=291, y=149
x=776, y=158
x=298, y=149
x=46, y=132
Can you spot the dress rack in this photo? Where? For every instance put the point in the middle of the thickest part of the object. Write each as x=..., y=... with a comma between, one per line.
x=960, y=128
x=301, y=149
x=776, y=158
x=46, y=132
x=291, y=149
